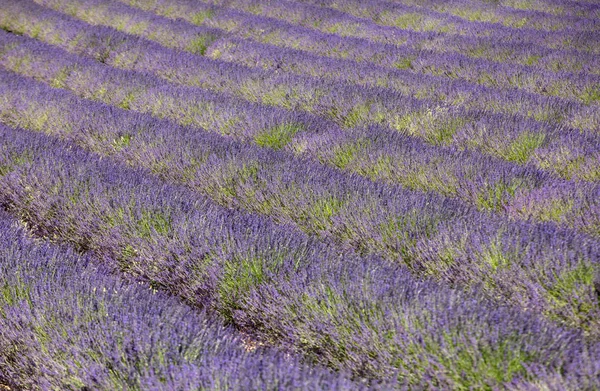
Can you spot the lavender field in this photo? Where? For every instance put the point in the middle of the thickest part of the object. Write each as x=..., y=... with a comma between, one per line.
x=299, y=195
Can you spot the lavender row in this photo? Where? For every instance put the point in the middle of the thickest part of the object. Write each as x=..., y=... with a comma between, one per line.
x=433, y=236
x=433, y=88
x=330, y=21
x=578, y=87
x=512, y=17
x=372, y=152
x=562, y=152
x=556, y=7
x=551, y=9
x=275, y=58
x=67, y=323
x=387, y=13
x=169, y=33
x=348, y=312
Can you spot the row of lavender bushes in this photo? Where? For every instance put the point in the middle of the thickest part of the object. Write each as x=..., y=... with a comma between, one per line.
x=532, y=55
x=218, y=44
x=334, y=213
x=579, y=32
x=560, y=151
x=373, y=152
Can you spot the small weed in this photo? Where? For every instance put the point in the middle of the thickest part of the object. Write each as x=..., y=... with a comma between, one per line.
x=126, y=102
x=152, y=222
x=590, y=95
x=532, y=60
x=278, y=136
x=520, y=150
x=494, y=197
x=408, y=21
x=404, y=63
x=200, y=44
x=200, y=17
x=121, y=142
x=358, y=114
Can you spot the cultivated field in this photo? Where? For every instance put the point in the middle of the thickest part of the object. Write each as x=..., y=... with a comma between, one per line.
x=309, y=194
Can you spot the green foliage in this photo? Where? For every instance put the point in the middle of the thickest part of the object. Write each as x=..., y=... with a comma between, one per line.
x=278, y=136
x=495, y=257
x=138, y=28
x=128, y=252
x=320, y=213
x=200, y=44
x=240, y=276
x=383, y=168
x=78, y=191
x=532, y=60
x=556, y=210
x=344, y=154
x=572, y=287
x=590, y=95
x=404, y=63
x=121, y=142
x=235, y=177
x=408, y=21
x=357, y=114
x=403, y=230
x=501, y=363
x=522, y=147
x=37, y=118
x=434, y=125
x=157, y=221
x=145, y=224
x=59, y=79
x=494, y=197
x=15, y=160
x=498, y=363
x=12, y=294
x=127, y=101
x=200, y=17
x=275, y=95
